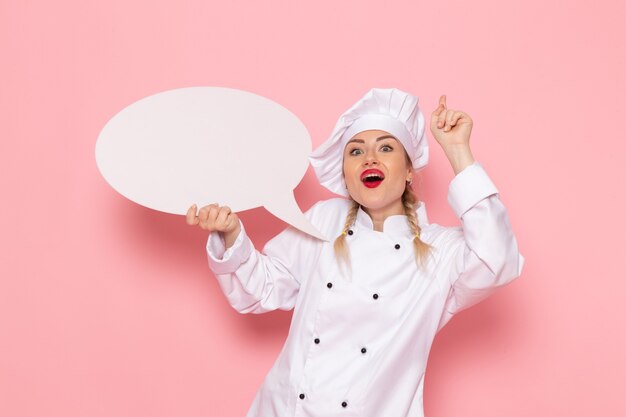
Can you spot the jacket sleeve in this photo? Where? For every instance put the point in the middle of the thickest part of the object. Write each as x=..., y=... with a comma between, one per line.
x=257, y=282
x=484, y=253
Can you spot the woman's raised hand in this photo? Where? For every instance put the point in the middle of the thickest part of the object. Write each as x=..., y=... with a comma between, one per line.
x=450, y=127
x=214, y=218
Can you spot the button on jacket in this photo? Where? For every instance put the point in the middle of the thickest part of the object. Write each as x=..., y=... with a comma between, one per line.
x=359, y=347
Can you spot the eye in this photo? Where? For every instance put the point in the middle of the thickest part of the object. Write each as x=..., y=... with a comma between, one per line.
x=355, y=151
x=386, y=148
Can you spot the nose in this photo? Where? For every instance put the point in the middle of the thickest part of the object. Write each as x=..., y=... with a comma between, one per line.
x=370, y=159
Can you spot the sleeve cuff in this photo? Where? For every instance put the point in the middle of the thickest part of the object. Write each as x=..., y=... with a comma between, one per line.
x=222, y=260
x=468, y=187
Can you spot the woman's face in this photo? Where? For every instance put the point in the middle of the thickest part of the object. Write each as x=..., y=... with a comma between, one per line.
x=376, y=169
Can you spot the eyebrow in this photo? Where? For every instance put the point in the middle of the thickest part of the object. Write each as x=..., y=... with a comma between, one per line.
x=377, y=139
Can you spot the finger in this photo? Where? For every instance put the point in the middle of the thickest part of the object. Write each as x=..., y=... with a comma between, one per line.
x=191, y=217
x=438, y=110
x=449, y=116
x=231, y=221
x=434, y=118
x=211, y=220
x=441, y=107
x=457, y=116
x=204, y=215
x=221, y=221
x=441, y=120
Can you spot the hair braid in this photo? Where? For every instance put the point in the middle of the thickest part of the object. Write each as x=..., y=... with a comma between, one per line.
x=420, y=247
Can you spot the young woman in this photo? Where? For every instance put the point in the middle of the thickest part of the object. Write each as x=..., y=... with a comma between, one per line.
x=368, y=305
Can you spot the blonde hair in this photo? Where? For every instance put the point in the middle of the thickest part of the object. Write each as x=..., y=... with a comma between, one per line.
x=409, y=201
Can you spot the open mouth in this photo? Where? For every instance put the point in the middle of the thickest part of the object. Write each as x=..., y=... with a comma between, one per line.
x=372, y=178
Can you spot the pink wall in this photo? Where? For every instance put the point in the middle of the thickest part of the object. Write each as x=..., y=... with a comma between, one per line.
x=109, y=309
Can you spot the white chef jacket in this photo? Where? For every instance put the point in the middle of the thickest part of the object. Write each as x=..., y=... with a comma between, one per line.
x=360, y=347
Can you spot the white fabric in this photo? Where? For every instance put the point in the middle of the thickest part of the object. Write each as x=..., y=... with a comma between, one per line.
x=388, y=109
x=396, y=329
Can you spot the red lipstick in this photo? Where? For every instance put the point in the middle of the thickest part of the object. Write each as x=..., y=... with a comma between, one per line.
x=372, y=177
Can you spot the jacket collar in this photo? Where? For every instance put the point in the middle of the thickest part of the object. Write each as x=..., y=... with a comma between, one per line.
x=396, y=223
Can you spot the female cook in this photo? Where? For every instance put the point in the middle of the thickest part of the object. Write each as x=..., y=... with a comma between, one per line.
x=368, y=303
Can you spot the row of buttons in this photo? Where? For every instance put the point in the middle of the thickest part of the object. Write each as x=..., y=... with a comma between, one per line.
x=317, y=341
x=350, y=232
x=343, y=404
x=374, y=296
x=363, y=350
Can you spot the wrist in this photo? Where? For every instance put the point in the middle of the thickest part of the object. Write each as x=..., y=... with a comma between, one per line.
x=460, y=157
x=231, y=236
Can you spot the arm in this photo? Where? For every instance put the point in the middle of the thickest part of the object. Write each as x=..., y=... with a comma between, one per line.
x=484, y=253
x=257, y=282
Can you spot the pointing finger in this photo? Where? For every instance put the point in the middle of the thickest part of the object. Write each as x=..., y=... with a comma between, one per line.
x=441, y=107
x=442, y=118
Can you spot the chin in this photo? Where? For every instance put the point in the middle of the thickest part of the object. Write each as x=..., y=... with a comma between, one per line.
x=376, y=201
x=371, y=203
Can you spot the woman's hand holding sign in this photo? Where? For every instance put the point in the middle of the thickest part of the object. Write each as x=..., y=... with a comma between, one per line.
x=215, y=218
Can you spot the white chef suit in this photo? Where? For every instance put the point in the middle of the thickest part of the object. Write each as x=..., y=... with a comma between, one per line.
x=360, y=347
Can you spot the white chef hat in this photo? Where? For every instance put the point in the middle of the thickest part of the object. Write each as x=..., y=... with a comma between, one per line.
x=387, y=109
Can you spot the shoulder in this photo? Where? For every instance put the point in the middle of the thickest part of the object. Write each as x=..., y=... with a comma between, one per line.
x=444, y=239
x=332, y=204
x=328, y=209
x=439, y=233
x=329, y=215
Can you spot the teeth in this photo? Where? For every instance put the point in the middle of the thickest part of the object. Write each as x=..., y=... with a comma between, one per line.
x=372, y=175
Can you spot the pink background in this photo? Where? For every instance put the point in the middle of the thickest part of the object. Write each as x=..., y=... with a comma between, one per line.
x=109, y=309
